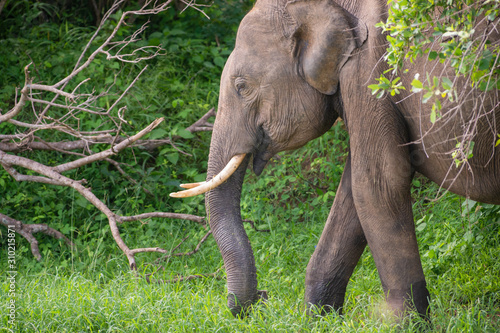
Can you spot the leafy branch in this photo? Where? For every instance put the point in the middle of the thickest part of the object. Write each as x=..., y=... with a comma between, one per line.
x=462, y=35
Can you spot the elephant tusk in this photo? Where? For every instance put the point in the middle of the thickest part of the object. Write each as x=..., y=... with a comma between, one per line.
x=192, y=185
x=221, y=177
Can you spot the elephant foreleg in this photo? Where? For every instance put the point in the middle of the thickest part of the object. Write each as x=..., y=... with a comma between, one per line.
x=337, y=253
x=381, y=185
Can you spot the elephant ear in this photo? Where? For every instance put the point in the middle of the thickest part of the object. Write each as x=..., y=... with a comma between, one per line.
x=325, y=37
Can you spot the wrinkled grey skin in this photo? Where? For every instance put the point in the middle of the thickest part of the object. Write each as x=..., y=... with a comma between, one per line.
x=295, y=68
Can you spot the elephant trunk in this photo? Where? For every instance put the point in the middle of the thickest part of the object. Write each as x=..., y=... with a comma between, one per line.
x=223, y=211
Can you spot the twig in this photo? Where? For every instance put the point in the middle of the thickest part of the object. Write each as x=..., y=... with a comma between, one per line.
x=126, y=175
x=51, y=89
x=27, y=231
x=202, y=124
x=182, y=254
x=109, y=152
x=19, y=105
x=252, y=223
x=26, y=178
x=198, y=219
x=72, y=145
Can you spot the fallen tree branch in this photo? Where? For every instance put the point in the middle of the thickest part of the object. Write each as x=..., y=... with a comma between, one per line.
x=59, y=124
x=103, y=137
x=182, y=254
x=54, y=174
x=14, y=147
x=27, y=231
x=24, y=98
x=202, y=124
x=109, y=152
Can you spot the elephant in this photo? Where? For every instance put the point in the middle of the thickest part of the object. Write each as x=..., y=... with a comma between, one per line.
x=296, y=67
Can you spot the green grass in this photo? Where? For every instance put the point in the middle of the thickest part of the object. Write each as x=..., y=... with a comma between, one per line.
x=95, y=292
x=53, y=300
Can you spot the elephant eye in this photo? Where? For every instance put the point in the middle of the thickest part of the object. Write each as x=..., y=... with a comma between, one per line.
x=241, y=86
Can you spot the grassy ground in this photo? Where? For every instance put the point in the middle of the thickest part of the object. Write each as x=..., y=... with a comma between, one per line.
x=93, y=291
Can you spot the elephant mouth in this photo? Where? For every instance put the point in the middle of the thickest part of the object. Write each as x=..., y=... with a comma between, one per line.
x=261, y=156
x=260, y=159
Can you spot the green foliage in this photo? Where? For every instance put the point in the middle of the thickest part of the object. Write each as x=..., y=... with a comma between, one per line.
x=460, y=34
x=181, y=86
x=384, y=84
x=454, y=32
x=459, y=244
x=300, y=183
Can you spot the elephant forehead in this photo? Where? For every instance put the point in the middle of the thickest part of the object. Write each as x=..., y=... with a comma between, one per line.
x=258, y=67
x=262, y=29
x=260, y=53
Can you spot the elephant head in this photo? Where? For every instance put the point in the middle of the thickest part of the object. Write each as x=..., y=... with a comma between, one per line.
x=279, y=90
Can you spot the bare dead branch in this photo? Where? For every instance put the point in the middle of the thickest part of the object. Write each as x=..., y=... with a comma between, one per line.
x=101, y=49
x=14, y=147
x=198, y=219
x=182, y=254
x=69, y=107
x=53, y=176
x=126, y=175
x=27, y=231
x=194, y=5
x=109, y=152
x=51, y=89
x=202, y=124
x=148, y=249
x=26, y=178
x=86, y=193
x=20, y=104
x=180, y=243
x=127, y=89
x=35, y=126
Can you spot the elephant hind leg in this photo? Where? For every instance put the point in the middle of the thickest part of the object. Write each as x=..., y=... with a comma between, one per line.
x=337, y=253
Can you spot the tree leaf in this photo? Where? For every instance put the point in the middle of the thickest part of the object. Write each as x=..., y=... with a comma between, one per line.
x=186, y=134
x=173, y=158
x=219, y=61
x=417, y=86
x=374, y=88
x=157, y=134
x=433, y=116
x=446, y=83
x=427, y=96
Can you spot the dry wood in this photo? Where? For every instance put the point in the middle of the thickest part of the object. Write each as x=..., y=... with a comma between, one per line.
x=56, y=110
